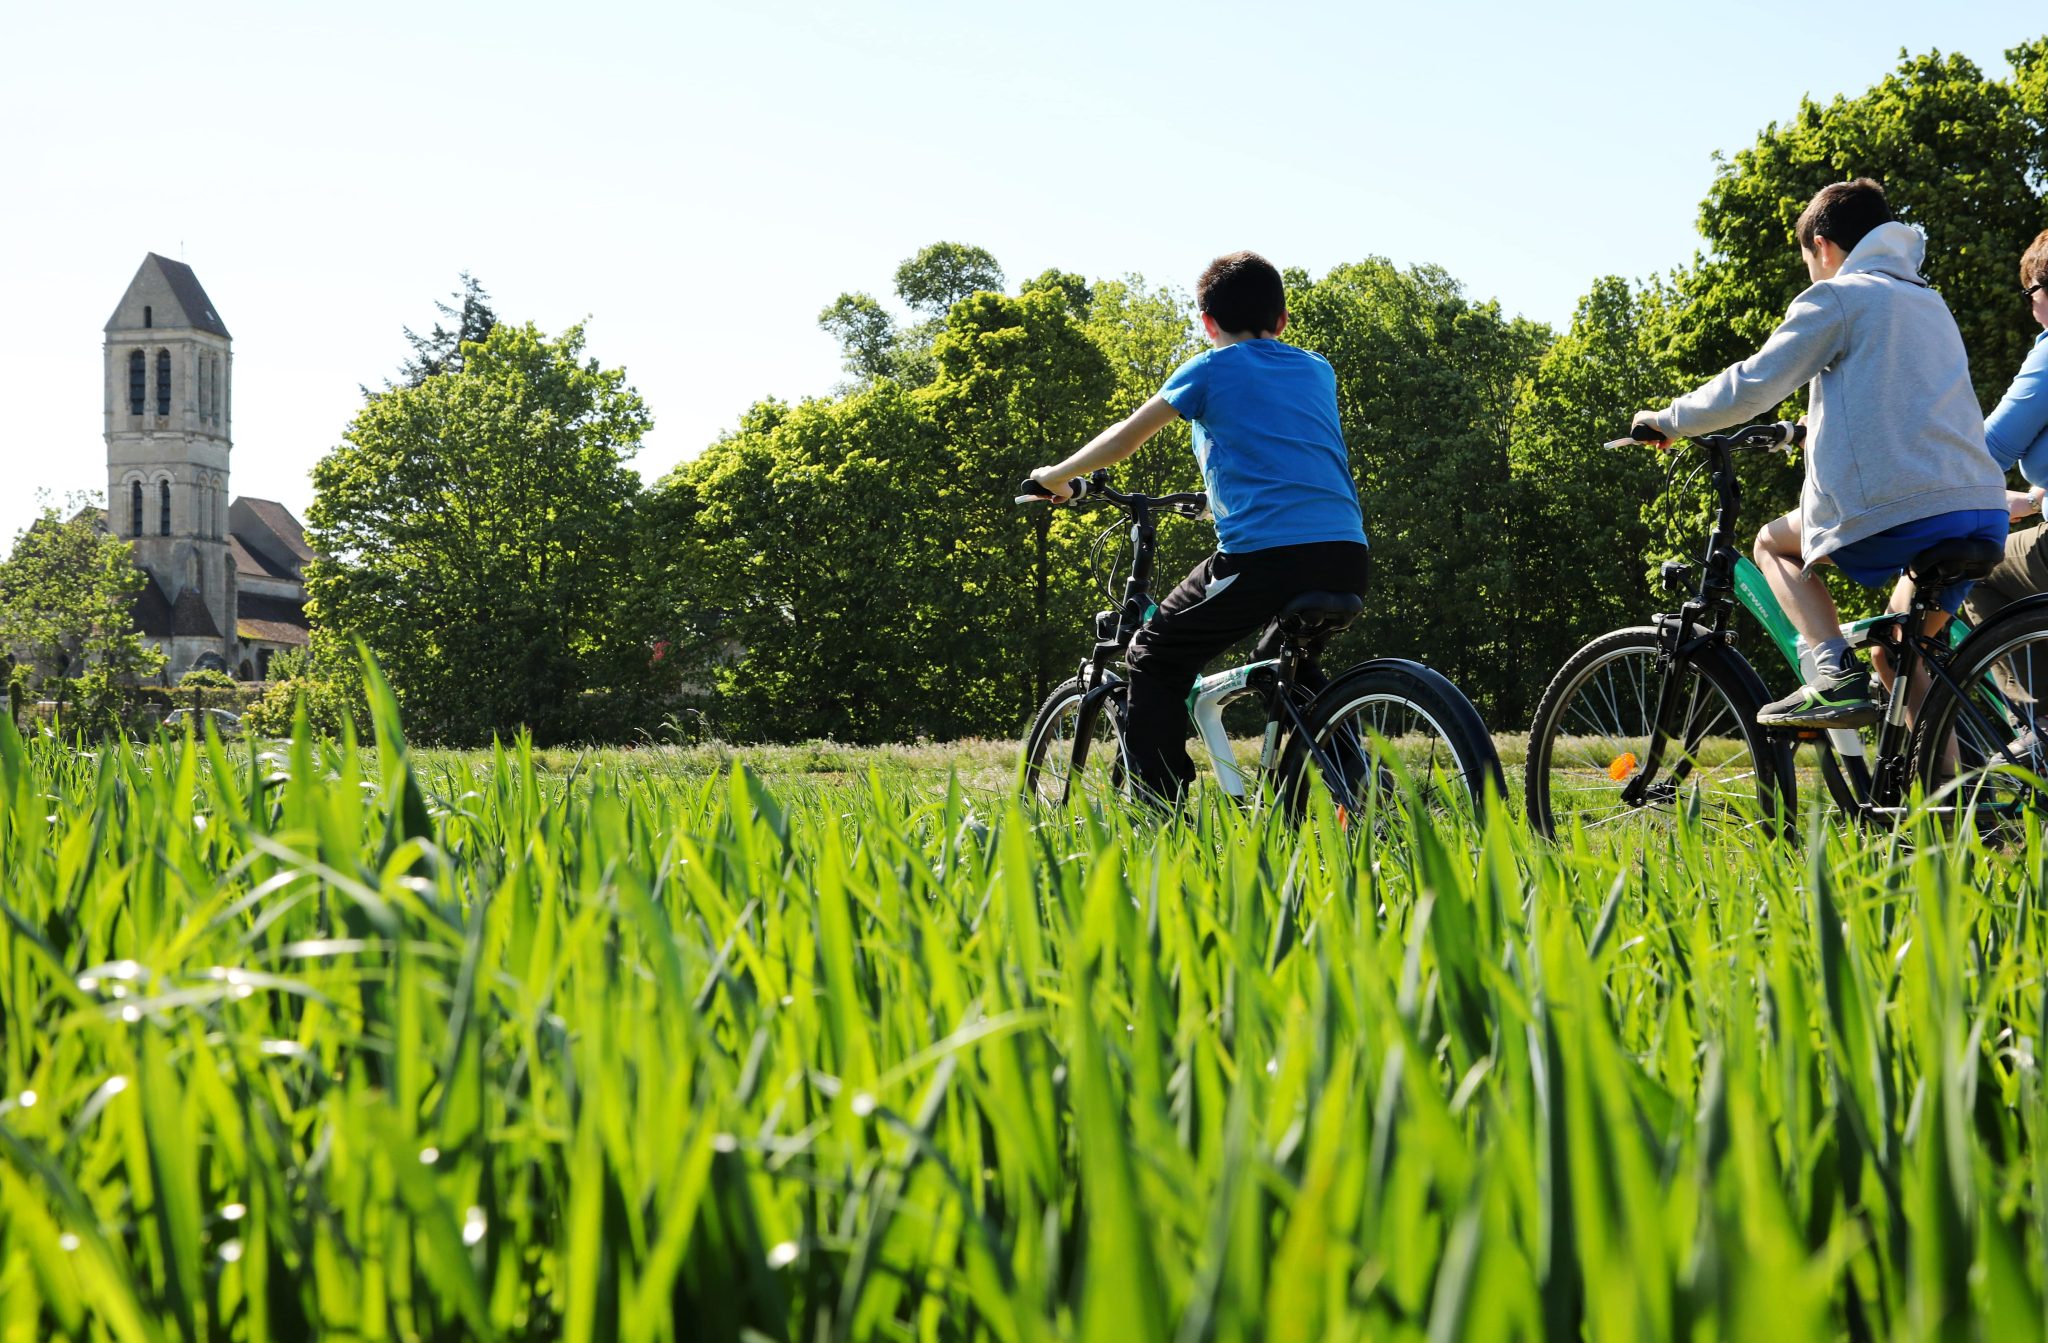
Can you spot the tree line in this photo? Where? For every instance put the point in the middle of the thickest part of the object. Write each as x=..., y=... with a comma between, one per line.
x=852, y=566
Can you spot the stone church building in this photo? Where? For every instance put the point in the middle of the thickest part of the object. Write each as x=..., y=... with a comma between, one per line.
x=227, y=577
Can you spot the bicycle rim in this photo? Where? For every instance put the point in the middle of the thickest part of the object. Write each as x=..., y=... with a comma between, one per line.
x=1051, y=774
x=1377, y=739
x=1594, y=733
x=1988, y=760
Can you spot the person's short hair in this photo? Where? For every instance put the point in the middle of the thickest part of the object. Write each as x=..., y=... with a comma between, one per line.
x=1243, y=292
x=1842, y=212
x=2034, y=261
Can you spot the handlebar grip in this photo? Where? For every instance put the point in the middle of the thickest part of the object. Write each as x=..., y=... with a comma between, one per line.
x=1644, y=433
x=1031, y=490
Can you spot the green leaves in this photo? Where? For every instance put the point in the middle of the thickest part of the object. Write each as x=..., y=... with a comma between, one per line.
x=480, y=534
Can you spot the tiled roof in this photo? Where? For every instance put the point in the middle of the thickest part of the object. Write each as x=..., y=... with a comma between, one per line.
x=152, y=609
x=186, y=289
x=190, y=619
x=254, y=563
x=277, y=620
x=268, y=527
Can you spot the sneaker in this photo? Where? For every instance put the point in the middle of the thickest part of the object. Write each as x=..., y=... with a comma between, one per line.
x=1841, y=702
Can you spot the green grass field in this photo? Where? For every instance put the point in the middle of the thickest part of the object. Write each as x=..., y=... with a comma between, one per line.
x=653, y=1045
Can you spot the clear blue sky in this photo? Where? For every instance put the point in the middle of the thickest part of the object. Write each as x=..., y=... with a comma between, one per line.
x=700, y=179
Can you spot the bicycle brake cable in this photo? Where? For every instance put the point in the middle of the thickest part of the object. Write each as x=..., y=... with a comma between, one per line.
x=1095, y=573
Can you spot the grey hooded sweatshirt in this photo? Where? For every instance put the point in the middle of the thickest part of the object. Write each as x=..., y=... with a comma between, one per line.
x=1893, y=430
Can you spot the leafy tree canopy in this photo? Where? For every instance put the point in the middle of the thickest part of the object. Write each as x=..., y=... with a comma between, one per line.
x=478, y=534
x=866, y=334
x=1961, y=157
x=440, y=350
x=942, y=274
x=67, y=596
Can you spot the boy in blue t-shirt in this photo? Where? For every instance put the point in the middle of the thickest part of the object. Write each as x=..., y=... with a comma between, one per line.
x=1287, y=517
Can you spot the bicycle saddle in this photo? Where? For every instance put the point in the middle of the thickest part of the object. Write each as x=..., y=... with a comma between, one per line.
x=1316, y=613
x=1954, y=561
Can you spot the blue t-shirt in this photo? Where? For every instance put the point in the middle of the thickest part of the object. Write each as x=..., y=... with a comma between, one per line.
x=1267, y=440
x=2018, y=430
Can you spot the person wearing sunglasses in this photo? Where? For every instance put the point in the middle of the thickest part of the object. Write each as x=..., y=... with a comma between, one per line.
x=2017, y=435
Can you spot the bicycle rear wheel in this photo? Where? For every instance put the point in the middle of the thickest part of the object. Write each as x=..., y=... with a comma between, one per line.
x=1074, y=748
x=1983, y=752
x=1594, y=728
x=1387, y=718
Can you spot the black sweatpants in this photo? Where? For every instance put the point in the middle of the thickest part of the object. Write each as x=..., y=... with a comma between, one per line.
x=1226, y=598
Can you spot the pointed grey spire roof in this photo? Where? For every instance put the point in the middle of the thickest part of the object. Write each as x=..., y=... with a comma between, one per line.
x=175, y=295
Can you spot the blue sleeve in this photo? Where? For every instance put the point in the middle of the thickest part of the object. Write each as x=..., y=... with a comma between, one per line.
x=2018, y=430
x=1187, y=389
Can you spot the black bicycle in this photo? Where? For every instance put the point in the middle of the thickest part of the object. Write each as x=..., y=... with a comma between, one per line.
x=1646, y=721
x=1360, y=732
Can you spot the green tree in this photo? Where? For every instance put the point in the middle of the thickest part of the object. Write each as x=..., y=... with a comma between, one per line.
x=1426, y=388
x=942, y=274
x=825, y=540
x=1585, y=516
x=1146, y=333
x=479, y=534
x=67, y=597
x=440, y=350
x=1020, y=383
x=1961, y=157
x=866, y=335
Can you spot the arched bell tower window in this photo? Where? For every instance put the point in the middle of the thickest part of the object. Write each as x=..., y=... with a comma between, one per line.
x=138, y=375
x=163, y=508
x=135, y=508
x=163, y=382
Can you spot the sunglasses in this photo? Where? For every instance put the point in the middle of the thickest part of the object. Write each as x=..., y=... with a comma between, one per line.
x=2028, y=293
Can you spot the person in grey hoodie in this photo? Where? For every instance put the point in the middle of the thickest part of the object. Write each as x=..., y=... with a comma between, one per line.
x=1895, y=455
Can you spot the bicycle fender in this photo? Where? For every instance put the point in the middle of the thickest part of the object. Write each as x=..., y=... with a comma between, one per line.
x=1444, y=687
x=2024, y=606
x=1092, y=702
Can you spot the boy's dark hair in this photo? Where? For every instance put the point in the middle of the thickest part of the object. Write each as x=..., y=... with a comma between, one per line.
x=2034, y=261
x=1842, y=212
x=1243, y=292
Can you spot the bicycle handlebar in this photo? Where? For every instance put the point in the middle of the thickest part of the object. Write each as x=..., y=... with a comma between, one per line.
x=1768, y=437
x=1189, y=505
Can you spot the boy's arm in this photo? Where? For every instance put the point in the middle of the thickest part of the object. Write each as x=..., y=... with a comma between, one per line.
x=1113, y=444
x=1807, y=341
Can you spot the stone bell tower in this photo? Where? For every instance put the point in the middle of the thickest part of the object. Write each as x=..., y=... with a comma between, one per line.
x=169, y=371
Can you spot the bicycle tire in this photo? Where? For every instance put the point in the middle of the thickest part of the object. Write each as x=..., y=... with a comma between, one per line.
x=1592, y=730
x=1401, y=701
x=2002, y=668
x=1048, y=765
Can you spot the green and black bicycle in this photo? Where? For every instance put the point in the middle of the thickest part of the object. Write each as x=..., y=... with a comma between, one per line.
x=1646, y=721
x=1367, y=725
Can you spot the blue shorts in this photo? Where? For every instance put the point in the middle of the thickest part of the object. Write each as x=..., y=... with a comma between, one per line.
x=1877, y=560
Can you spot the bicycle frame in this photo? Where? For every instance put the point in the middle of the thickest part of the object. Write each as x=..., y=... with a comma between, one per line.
x=1273, y=678
x=1729, y=579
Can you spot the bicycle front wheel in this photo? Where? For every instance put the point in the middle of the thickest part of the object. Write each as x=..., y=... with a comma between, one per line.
x=1074, y=748
x=1384, y=719
x=1596, y=729
x=1983, y=752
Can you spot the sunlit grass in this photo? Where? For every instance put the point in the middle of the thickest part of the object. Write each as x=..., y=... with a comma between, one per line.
x=317, y=1041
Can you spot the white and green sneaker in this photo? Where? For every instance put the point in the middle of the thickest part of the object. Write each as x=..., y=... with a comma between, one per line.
x=1842, y=701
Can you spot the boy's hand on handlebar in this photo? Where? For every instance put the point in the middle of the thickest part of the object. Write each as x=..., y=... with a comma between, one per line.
x=1058, y=486
x=1646, y=428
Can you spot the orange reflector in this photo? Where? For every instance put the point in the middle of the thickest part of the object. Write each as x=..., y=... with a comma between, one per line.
x=1623, y=766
